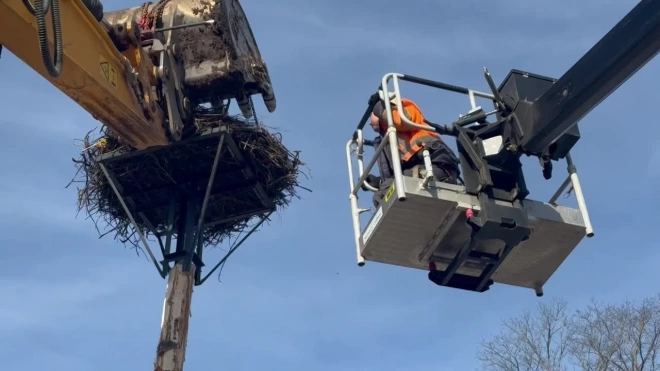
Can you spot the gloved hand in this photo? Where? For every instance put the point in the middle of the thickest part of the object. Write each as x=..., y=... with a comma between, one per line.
x=372, y=180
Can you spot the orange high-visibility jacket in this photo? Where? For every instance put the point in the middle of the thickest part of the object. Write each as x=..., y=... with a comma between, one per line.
x=409, y=138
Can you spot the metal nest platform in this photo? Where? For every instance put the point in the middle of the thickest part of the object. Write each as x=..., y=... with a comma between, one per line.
x=224, y=175
x=150, y=181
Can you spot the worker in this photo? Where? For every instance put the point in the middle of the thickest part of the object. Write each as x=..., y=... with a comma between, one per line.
x=411, y=143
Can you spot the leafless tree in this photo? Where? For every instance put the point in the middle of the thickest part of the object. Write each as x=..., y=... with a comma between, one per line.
x=601, y=337
x=624, y=337
x=532, y=341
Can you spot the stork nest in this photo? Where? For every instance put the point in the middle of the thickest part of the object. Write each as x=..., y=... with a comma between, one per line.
x=275, y=167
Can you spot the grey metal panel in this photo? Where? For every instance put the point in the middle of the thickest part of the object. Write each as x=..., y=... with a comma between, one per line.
x=430, y=225
x=405, y=230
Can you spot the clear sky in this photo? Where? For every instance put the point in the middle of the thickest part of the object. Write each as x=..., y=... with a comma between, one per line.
x=293, y=297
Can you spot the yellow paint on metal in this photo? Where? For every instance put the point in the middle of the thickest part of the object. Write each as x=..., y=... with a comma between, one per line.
x=110, y=99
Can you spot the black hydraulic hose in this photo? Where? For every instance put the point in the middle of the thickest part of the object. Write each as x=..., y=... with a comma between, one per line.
x=54, y=68
x=39, y=11
x=31, y=9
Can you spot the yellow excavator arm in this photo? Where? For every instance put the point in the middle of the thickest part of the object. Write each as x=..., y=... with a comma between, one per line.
x=140, y=79
x=93, y=72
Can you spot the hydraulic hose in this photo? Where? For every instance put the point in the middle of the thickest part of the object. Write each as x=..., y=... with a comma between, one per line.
x=54, y=68
x=31, y=9
x=40, y=10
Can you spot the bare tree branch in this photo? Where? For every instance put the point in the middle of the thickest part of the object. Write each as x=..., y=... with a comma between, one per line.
x=601, y=337
x=624, y=337
x=531, y=341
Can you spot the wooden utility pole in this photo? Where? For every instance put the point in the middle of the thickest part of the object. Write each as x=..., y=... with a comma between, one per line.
x=171, y=352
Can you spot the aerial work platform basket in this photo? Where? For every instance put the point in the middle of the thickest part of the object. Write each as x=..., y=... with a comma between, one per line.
x=424, y=224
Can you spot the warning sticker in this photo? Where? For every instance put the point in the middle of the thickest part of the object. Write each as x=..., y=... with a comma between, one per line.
x=390, y=192
x=108, y=72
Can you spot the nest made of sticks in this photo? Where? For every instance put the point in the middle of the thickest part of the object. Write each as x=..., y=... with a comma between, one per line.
x=275, y=167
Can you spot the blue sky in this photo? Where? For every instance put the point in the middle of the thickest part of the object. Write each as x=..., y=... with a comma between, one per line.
x=293, y=297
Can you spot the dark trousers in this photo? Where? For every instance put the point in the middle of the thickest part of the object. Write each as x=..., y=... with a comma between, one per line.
x=442, y=172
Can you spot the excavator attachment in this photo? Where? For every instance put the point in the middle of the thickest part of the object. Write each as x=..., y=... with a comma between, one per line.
x=213, y=52
x=465, y=238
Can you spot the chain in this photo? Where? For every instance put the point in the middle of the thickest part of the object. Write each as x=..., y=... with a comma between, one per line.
x=160, y=8
x=143, y=14
x=145, y=9
x=148, y=18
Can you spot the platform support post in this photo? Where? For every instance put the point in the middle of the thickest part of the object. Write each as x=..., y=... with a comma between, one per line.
x=171, y=352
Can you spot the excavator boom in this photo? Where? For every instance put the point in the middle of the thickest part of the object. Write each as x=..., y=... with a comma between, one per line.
x=93, y=72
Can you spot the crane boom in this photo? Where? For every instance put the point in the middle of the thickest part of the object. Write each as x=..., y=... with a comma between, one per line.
x=626, y=48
